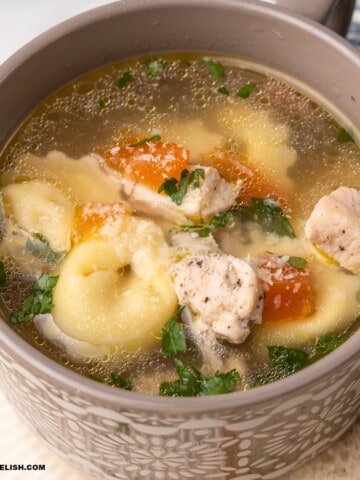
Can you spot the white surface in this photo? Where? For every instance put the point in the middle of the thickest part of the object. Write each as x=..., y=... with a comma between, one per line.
x=20, y=21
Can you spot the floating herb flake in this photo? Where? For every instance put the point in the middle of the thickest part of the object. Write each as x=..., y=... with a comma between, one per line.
x=120, y=382
x=223, y=90
x=125, y=78
x=216, y=69
x=246, y=90
x=297, y=262
x=2, y=276
x=173, y=338
x=154, y=138
x=155, y=67
x=344, y=136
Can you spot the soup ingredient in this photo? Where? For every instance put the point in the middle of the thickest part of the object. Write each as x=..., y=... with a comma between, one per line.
x=288, y=289
x=115, y=291
x=125, y=78
x=286, y=361
x=221, y=291
x=344, y=136
x=39, y=246
x=149, y=163
x=216, y=69
x=268, y=214
x=246, y=90
x=156, y=67
x=223, y=90
x=39, y=209
x=193, y=383
x=208, y=194
x=221, y=220
x=173, y=338
x=146, y=140
x=39, y=301
x=334, y=227
x=120, y=382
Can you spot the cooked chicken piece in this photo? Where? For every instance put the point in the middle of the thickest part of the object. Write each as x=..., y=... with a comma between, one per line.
x=213, y=195
x=334, y=227
x=222, y=292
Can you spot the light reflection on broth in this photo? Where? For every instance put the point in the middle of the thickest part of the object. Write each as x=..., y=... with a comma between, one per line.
x=285, y=138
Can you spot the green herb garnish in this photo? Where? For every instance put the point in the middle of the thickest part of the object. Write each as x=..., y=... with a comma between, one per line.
x=192, y=383
x=220, y=220
x=177, y=189
x=268, y=214
x=2, y=276
x=344, y=136
x=246, y=90
x=39, y=300
x=125, y=78
x=173, y=338
x=215, y=69
x=39, y=247
x=155, y=67
x=286, y=361
x=120, y=382
x=223, y=90
x=154, y=138
x=297, y=262
x=102, y=103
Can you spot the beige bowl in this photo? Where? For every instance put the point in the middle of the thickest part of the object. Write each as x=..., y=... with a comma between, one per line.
x=258, y=434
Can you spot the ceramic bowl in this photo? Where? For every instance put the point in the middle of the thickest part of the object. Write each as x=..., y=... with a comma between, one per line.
x=263, y=433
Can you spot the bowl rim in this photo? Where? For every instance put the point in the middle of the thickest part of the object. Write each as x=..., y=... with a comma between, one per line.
x=74, y=382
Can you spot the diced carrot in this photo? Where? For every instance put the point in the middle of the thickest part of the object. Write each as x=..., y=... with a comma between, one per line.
x=150, y=163
x=288, y=291
x=97, y=219
x=233, y=168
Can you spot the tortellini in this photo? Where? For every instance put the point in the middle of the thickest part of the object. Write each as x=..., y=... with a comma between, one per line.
x=81, y=180
x=263, y=141
x=116, y=291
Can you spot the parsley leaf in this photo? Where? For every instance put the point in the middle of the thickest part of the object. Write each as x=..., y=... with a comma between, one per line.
x=193, y=383
x=101, y=103
x=220, y=220
x=344, y=136
x=326, y=345
x=39, y=300
x=120, y=382
x=215, y=69
x=223, y=90
x=2, y=276
x=177, y=189
x=287, y=360
x=297, y=262
x=146, y=140
x=246, y=90
x=268, y=214
x=155, y=67
x=173, y=338
x=39, y=247
x=125, y=78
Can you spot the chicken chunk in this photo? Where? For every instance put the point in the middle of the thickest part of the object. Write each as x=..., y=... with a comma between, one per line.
x=222, y=292
x=334, y=227
x=213, y=195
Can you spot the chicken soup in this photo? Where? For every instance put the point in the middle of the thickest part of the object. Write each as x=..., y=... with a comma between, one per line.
x=181, y=225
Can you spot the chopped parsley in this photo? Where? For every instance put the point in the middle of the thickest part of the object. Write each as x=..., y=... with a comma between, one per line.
x=286, y=361
x=223, y=90
x=268, y=214
x=39, y=301
x=102, y=103
x=344, y=136
x=216, y=69
x=173, y=338
x=120, y=382
x=155, y=67
x=2, y=276
x=125, y=78
x=177, y=189
x=39, y=247
x=154, y=138
x=192, y=383
x=297, y=262
x=220, y=220
x=246, y=90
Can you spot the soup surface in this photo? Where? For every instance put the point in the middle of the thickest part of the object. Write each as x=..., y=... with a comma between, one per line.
x=181, y=225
